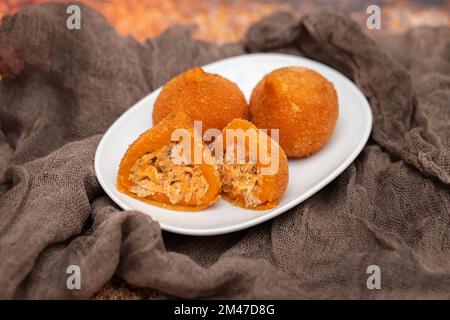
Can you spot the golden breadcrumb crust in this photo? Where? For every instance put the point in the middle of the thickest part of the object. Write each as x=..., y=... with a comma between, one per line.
x=203, y=96
x=299, y=102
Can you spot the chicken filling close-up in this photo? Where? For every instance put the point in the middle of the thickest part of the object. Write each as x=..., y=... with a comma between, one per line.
x=156, y=173
x=241, y=179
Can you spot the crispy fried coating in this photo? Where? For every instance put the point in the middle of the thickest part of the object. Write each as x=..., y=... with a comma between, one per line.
x=203, y=96
x=299, y=102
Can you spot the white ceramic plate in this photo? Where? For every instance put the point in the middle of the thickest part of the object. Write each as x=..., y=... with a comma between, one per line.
x=306, y=176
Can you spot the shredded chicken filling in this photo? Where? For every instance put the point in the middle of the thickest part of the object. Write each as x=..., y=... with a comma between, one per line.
x=155, y=173
x=241, y=180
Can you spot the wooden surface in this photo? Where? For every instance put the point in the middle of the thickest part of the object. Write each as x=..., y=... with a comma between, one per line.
x=222, y=21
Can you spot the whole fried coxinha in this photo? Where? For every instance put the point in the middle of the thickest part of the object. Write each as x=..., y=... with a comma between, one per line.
x=148, y=173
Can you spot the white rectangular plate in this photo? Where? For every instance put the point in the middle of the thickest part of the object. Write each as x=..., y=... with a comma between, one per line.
x=306, y=176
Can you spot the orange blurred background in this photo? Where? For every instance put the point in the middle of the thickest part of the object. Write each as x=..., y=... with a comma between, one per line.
x=223, y=21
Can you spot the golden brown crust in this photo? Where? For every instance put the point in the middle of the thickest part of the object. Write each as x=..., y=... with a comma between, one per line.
x=239, y=202
x=176, y=207
x=203, y=96
x=299, y=102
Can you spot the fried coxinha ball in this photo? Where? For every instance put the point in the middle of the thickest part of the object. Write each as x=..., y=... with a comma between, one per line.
x=299, y=102
x=148, y=173
x=203, y=96
x=256, y=178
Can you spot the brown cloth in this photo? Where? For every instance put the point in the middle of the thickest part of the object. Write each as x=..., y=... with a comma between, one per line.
x=61, y=89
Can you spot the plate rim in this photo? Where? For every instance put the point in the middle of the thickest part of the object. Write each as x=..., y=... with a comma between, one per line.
x=274, y=212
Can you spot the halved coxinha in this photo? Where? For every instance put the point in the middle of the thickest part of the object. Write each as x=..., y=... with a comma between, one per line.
x=258, y=177
x=148, y=173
